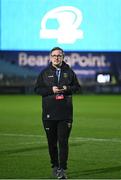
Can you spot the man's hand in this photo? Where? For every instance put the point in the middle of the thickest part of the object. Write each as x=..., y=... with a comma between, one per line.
x=65, y=88
x=56, y=90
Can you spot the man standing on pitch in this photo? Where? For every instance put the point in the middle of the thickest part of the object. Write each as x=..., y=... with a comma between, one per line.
x=56, y=83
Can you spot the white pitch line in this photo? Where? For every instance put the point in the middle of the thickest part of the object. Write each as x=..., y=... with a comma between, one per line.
x=21, y=135
x=36, y=142
x=72, y=139
x=78, y=139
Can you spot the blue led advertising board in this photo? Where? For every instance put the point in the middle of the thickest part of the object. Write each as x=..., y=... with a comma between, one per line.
x=81, y=25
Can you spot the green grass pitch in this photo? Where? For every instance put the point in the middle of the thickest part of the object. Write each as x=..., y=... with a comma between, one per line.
x=94, y=144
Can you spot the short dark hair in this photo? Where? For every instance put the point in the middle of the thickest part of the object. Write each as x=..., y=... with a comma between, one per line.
x=57, y=48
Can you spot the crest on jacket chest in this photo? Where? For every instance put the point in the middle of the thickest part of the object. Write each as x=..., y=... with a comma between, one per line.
x=65, y=75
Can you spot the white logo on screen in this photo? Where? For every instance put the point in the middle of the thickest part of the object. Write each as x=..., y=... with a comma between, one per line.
x=69, y=19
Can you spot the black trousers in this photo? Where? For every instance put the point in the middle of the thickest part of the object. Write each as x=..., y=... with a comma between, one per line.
x=57, y=133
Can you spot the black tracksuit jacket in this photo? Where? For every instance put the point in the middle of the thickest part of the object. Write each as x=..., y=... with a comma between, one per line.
x=54, y=109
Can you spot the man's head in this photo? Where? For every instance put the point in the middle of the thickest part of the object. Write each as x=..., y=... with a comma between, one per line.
x=56, y=56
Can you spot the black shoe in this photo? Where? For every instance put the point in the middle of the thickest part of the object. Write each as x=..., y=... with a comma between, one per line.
x=61, y=174
x=54, y=171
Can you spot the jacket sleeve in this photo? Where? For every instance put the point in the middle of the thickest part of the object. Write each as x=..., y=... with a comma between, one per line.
x=41, y=88
x=74, y=86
